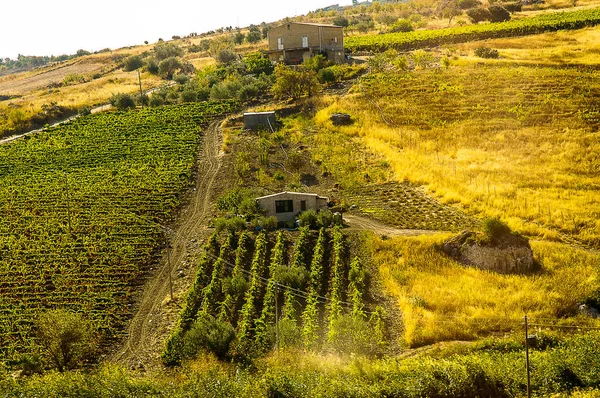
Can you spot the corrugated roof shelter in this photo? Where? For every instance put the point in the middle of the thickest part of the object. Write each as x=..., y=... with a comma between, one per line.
x=254, y=120
x=287, y=205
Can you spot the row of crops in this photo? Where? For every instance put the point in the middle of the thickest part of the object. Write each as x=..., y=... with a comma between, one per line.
x=82, y=207
x=254, y=293
x=431, y=38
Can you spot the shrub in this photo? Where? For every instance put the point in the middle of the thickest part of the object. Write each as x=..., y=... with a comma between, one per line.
x=152, y=66
x=208, y=333
x=181, y=78
x=122, y=101
x=308, y=219
x=268, y=223
x=498, y=13
x=256, y=64
x=66, y=337
x=294, y=84
x=479, y=15
x=233, y=224
x=467, y=4
x=132, y=63
x=188, y=96
x=402, y=25
x=226, y=56
x=486, y=52
x=168, y=67
x=324, y=218
x=494, y=228
x=340, y=20
x=513, y=7
x=326, y=75
x=164, y=50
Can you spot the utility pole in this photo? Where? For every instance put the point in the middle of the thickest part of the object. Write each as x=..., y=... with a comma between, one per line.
x=169, y=267
x=276, y=318
x=527, y=358
x=141, y=94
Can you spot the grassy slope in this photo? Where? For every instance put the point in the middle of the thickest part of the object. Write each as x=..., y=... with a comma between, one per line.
x=508, y=137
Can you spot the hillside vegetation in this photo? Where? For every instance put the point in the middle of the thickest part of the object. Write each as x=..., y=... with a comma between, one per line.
x=84, y=211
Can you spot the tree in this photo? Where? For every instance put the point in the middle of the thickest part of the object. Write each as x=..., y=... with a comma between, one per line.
x=294, y=84
x=132, y=63
x=498, y=13
x=238, y=38
x=167, y=50
x=168, y=67
x=450, y=10
x=341, y=20
x=66, y=338
x=479, y=14
x=257, y=64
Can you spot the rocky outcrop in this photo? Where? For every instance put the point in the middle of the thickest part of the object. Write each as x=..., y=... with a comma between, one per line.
x=508, y=254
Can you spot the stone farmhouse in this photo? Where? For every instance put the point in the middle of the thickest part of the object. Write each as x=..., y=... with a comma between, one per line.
x=294, y=42
x=287, y=205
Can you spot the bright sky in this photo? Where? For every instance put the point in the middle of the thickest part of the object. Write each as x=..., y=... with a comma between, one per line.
x=55, y=27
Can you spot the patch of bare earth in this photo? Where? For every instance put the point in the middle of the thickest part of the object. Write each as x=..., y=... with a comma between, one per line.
x=11, y=85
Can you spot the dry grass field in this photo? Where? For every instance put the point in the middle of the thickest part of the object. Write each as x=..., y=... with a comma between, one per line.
x=514, y=137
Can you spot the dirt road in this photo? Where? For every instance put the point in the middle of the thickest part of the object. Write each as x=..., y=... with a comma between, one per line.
x=358, y=223
x=156, y=313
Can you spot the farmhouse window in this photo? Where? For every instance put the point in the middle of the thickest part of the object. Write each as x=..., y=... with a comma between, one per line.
x=284, y=206
x=304, y=41
x=303, y=205
x=280, y=43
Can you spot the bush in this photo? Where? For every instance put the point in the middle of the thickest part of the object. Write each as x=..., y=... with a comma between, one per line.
x=513, y=7
x=326, y=75
x=167, y=50
x=402, y=25
x=188, y=96
x=467, y=4
x=324, y=218
x=181, y=78
x=122, y=101
x=498, y=13
x=226, y=56
x=68, y=340
x=168, y=67
x=152, y=66
x=340, y=20
x=132, y=63
x=233, y=224
x=257, y=64
x=308, y=219
x=211, y=334
x=268, y=223
x=494, y=228
x=486, y=52
x=479, y=15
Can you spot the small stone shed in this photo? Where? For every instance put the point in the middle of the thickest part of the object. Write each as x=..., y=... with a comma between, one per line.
x=287, y=205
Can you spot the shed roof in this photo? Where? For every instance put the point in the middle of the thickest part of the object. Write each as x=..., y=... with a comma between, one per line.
x=290, y=193
x=311, y=24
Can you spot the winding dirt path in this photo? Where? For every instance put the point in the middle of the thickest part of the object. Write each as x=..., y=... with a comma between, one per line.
x=156, y=313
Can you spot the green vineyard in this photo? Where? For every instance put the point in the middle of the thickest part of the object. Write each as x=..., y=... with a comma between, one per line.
x=431, y=38
x=252, y=294
x=82, y=210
